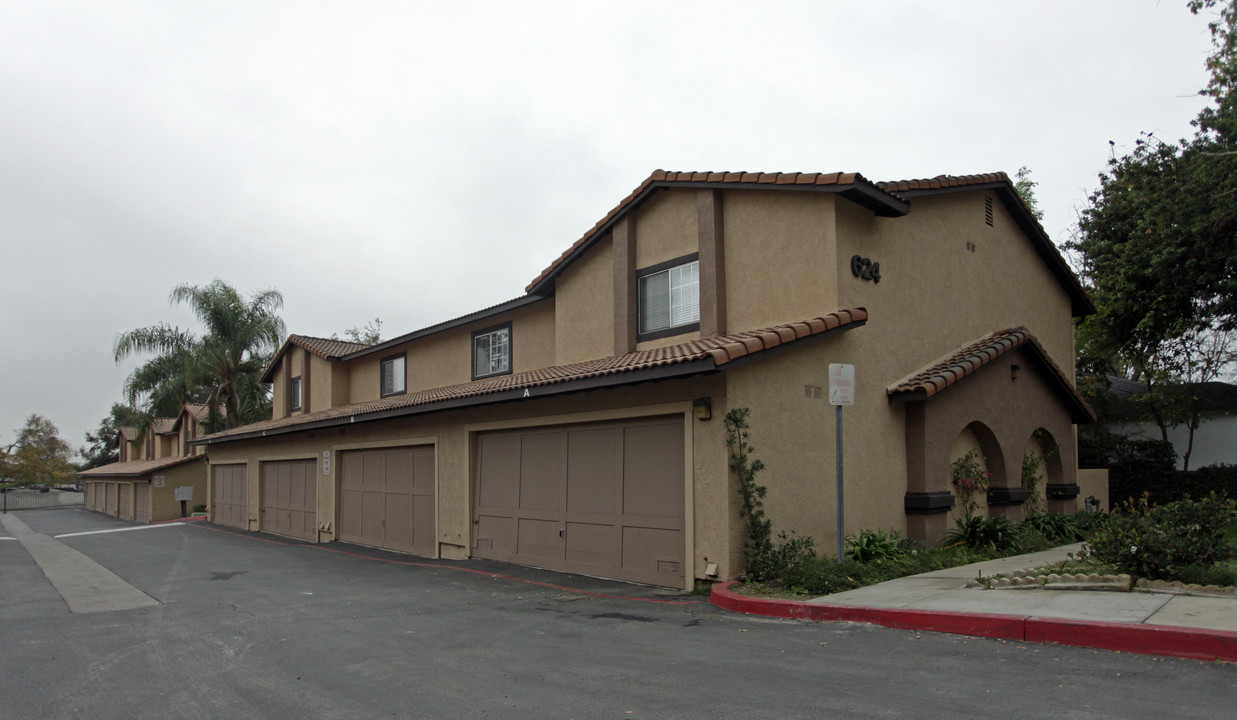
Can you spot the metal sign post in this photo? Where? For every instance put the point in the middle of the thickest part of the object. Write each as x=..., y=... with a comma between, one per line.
x=841, y=392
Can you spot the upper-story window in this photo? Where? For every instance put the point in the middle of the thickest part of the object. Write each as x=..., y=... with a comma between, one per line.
x=294, y=394
x=669, y=298
x=491, y=351
x=393, y=376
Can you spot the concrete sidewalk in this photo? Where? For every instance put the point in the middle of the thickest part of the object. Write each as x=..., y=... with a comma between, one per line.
x=1157, y=623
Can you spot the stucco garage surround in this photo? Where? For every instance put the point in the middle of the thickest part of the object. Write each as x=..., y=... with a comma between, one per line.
x=600, y=498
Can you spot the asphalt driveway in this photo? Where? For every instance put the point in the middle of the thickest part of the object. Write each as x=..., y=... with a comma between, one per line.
x=249, y=625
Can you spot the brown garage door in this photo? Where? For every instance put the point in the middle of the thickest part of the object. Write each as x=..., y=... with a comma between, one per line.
x=387, y=499
x=125, y=511
x=113, y=499
x=142, y=502
x=600, y=499
x=230, y=487
x=89, y=488
x=290, y=498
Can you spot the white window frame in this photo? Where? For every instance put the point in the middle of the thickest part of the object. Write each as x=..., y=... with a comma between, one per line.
x=296, y=395
x=485, y=362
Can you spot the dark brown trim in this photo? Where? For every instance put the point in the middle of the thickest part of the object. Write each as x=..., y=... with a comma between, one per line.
x=623, y=242
x=472, y=355
x=1001, y=496
x=489, y=312
x=383, y=362
x=712, y=250
x=653, y=270
x=928, y=503
x=306, y=361
x=1063, y=491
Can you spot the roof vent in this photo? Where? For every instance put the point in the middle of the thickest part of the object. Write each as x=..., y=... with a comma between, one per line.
x=988, y=210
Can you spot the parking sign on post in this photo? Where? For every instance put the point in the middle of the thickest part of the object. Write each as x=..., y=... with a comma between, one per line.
x=841, y=392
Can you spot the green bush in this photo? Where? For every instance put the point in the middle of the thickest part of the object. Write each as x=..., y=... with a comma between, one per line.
x=977, y=532
x=1159, y=542
x=874, y=545
x=1056, y=528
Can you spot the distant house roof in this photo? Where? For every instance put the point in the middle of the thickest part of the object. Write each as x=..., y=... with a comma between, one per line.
x=135, y=468
x=689, y=358
x=129, y=433
x=1213, y=397
x=966, y=360
x=164, y=426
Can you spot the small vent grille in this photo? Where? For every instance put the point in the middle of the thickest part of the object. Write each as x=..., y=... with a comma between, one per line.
x=988, y=211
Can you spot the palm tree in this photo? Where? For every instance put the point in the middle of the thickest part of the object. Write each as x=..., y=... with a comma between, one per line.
x=221, y=368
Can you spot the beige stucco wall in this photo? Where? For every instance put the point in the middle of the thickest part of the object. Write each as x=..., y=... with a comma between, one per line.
x=931, y=280
x=163, y=504
x=319, y=390
x=966, y=442
x=779, y=257
x=452, y=434
x=666, y=227
x=584, y=307
x=364, y=376
x=1092, y=482
x=279, y=391
x=794, y=436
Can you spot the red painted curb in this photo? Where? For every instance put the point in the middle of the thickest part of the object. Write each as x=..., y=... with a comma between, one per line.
x=1193, y=643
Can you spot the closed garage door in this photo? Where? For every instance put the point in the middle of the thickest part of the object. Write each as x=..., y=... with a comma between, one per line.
x=599, y=499
x=113, y=499
x=230, y=487
x=126, y=501
x=290, y=498
x=142, y=502
x=387, y=499
x=89, y=487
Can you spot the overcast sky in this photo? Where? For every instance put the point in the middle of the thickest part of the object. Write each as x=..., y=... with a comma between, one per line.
x=417, y=161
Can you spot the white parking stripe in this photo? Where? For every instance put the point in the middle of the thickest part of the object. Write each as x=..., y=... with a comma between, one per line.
x=124, y=529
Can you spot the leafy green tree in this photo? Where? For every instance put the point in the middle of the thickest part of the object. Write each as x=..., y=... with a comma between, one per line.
x=368, y=334
x=103, y=446
x=1158, y=250
x=1025, y=188
x=222, y=367
x=38, y=456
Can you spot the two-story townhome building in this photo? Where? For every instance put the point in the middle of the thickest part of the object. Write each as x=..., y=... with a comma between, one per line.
x=142, y=485
x=580, y=426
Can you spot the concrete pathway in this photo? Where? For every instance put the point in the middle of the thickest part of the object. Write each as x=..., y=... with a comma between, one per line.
x=85, y=585
x=1159, y=623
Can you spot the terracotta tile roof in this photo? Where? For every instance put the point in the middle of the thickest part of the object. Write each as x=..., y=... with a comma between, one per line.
x=199, y=411
x=703, y=355
x=325, y=348
x=164, y=426
x=134, y=468
x=867, y=193
x=968, y=359
x=128, y=433
x=942, y=182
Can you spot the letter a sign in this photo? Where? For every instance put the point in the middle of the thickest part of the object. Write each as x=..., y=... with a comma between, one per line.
x=841, y=384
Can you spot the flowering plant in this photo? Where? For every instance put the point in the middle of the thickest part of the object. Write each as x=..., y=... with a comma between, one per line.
x=970, y=480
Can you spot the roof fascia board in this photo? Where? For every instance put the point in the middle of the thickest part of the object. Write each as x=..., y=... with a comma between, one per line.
x=508, y=306
x=663, y=372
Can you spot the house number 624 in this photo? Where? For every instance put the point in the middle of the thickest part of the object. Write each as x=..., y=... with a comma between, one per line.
x=864, y=268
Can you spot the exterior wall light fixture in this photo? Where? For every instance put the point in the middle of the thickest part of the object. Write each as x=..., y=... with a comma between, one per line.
x=702, y=408
x=1014, y=371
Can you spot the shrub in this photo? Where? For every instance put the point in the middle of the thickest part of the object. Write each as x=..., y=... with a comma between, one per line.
x=1159, y=542
x=970, y=479
x=874, y=546
x=825, y=575
x=1056, y=528
x=980, y=533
